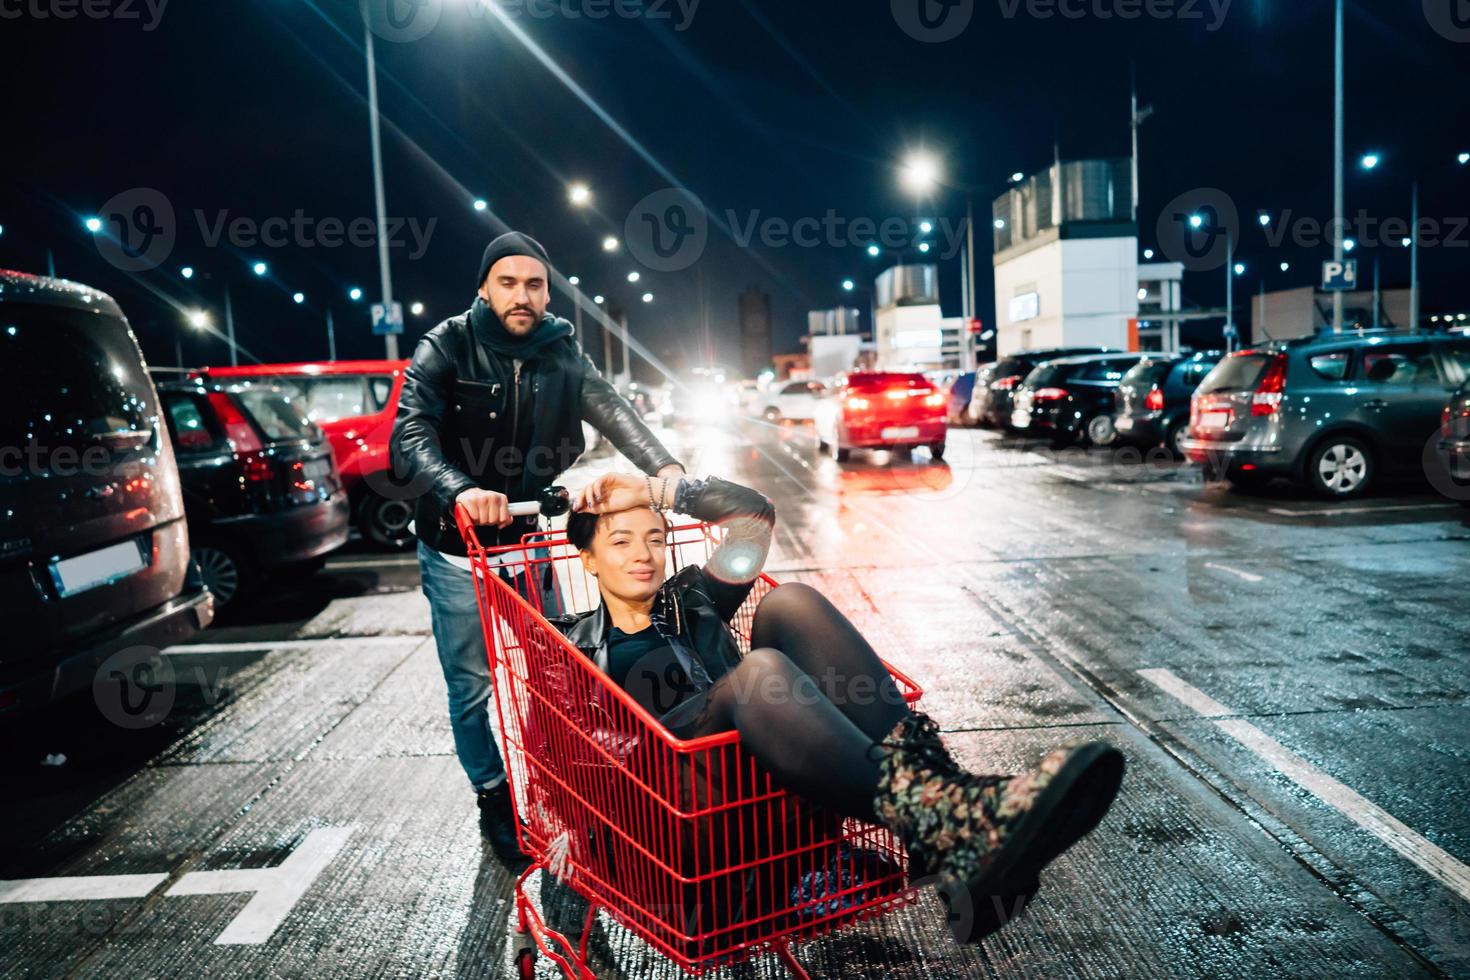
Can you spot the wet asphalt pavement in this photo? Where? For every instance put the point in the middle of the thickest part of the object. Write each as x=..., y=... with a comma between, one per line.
x=1287, y=678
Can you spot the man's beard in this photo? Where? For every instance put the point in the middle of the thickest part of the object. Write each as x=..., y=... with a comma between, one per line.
x=505, y=319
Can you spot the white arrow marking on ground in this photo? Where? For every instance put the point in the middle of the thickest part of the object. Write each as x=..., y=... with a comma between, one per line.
x=1364, y=812
x=277, y=890
x=1249, y=577
x=79, y=888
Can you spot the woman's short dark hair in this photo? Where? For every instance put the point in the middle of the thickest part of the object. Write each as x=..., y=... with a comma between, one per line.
x=582, y=528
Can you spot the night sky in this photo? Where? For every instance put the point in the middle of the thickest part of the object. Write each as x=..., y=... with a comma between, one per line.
x=788, y=109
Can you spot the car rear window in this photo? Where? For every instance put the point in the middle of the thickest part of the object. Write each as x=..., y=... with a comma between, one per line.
x=1146, y=374
x=277, y=412
x=869, y=382
x=1048, y=373
x=1240, y=372
x=71, y=375
x=1105, y=372
x=189, y=423
x=1009, y=368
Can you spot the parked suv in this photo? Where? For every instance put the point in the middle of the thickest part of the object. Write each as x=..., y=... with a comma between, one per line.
x=260, y=487
x=355, y=403
x=1070, y=400
x=1151, y=405
x=1333, y=411
x=1454, y=434
x=94, y=550
x=990, y=404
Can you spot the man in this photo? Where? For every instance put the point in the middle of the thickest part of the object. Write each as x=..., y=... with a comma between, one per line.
x=491, y=413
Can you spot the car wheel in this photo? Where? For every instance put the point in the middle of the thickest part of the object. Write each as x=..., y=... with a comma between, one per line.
x=936, y=449
x=1340, y=467
x=384, y=521
x=772, y=414
x=1175, y=437
x=842, y=454
x=223, y=573
x=1100, y=431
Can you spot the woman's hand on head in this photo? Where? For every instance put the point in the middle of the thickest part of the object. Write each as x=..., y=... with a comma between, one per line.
x=613, y=492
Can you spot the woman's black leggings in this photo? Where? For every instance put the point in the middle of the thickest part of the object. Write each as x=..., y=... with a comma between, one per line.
x=809, y=701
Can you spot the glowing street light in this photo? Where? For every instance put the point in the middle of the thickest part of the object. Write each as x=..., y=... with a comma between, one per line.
x=849, y=285
x=599, y=299
x=924, y=247
x=197, y=319
x=1371, y=160
x=1148, y=255
x=1463, y=158
x=920, y=173
x=609, y=244
x=1240, y=268
x=354, y=294
x=481, y=204
x=417, y=309
x=260, y=268
x=1265, y=220
x=634, y=277
x=94, y=225
x=648, y=297
x=926, y=227
x=575, y=280
x=1286, y=267
x=580, y=195
x=187, y=272
x=874, y=251
x=1017, y=177
x=298, y=298
x=1350, y=244
x=1196, y=221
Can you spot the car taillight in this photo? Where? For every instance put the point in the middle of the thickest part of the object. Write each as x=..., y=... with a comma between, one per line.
x=1005, y=384
x=935, y=399
x=1154, y=402
x=1271, y=389
x=1049, y=395
x=1194, y=411
x=858, y=404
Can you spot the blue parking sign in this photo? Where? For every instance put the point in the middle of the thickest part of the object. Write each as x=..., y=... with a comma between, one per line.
x=386, y=321
x=1340, y=276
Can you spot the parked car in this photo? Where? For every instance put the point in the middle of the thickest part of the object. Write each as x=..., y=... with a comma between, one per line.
x=355, y=403
x=261, y=490
x=653, y=403
x=899, y=412
x=960, y=390
x=794, y=401
x=1454, y=433
x=991, y=406
x=1070, y=400
x=1333, y=411
x=1152, y=401
x=94, y=548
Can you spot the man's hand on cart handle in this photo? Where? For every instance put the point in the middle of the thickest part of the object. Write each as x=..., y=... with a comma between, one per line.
x=484, y=507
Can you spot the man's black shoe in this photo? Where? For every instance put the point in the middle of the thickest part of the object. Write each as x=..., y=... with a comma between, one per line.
x=498, y=826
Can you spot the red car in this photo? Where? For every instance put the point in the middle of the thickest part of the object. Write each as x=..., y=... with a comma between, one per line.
x=883, y=411
x=354, y=402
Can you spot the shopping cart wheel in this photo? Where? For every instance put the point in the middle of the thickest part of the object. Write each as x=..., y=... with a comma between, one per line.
x=526, y=964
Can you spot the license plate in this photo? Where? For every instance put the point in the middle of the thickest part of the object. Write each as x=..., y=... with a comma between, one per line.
x=73, y=575
x=906, y=432
x=1214, y=420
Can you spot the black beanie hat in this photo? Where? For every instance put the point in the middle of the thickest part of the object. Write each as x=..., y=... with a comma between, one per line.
x=511, y=243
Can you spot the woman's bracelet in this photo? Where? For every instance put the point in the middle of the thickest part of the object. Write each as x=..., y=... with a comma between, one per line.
x=652, y=500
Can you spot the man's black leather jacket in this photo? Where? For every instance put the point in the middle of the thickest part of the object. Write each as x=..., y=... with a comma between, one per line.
x=464, y=410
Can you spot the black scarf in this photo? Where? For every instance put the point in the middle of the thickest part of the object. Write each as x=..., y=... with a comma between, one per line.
x=490, y=331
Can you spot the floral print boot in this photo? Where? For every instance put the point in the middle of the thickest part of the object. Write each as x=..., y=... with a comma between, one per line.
x=985, y=838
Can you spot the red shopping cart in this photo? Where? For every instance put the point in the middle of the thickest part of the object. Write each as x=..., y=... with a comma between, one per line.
x=690, y=845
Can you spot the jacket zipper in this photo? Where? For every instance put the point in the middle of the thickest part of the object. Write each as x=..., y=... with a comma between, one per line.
x=515, y=424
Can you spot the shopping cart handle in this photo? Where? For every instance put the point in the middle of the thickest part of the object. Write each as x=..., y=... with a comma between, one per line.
x=552, y=502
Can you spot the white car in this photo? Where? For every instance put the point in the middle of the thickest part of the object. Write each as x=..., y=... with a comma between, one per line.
x=795, y=401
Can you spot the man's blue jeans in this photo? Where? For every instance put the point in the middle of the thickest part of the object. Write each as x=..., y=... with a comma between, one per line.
x=466, y=664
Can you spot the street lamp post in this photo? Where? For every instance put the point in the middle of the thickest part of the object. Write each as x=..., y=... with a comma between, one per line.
x=1414, y=260
x=1338, y=204
x=380, y=198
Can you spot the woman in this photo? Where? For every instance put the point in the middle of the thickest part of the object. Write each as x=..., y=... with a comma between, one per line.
x=811, y=700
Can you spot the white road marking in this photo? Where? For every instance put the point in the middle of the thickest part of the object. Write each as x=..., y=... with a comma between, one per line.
x=197, y=649
x=277, y=890
x=1235, y=571
x=79, y=888
x=1434, y=860
x=1071, y=473
x=368, y=563
x=1320, y=511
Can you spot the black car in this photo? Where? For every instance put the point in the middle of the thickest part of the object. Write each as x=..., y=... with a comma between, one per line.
x=1454, y=437
x=1070, y=400
x=260, y=486
x=990, y=405
x=94, y=549
x=1151, y=406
